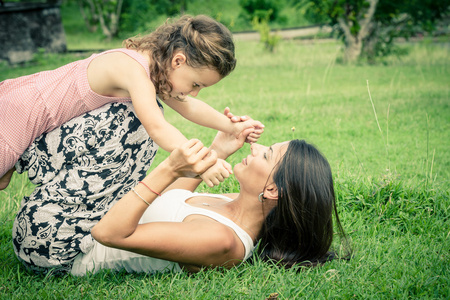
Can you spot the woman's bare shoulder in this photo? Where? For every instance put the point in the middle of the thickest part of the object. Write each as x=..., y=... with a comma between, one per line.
x=231, y=195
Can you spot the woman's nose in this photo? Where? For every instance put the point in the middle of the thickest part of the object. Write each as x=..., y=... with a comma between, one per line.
x=254, y=148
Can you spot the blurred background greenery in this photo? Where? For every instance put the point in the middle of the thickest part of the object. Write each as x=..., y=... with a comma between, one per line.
x=368, y=29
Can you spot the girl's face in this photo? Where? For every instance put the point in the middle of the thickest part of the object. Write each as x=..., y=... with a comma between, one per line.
x=187, y=80
x=256, y=170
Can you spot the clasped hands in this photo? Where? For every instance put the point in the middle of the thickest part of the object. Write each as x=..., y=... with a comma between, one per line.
x=193, y=158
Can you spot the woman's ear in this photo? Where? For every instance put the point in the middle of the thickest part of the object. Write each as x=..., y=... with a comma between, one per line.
x=178, y=60
x=271, y=192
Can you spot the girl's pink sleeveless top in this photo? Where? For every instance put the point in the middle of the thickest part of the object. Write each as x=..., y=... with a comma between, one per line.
x=34, y=104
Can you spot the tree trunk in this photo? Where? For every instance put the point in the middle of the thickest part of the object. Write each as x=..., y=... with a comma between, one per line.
x=96, y=12
x=352, y=50
x=354, y=41
x=90, y=18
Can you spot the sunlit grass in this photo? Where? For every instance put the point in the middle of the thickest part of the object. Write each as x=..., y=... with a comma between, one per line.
x=391, y=177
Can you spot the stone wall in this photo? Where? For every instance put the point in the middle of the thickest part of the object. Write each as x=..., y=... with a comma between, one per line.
x=27, y=27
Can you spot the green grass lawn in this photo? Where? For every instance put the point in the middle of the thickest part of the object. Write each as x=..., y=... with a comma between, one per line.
x=385, y=132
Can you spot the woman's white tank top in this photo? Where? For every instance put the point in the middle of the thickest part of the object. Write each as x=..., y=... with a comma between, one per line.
x=170, y=207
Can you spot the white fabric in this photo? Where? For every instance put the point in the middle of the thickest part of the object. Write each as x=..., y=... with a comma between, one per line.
x=170, y=207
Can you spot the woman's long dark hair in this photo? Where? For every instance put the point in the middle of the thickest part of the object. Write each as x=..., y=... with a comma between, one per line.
x=299, y=230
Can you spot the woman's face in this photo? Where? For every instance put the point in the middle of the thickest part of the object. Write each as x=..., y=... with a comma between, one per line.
x=256, y=170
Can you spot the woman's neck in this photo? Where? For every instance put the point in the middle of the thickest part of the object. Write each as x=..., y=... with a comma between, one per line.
x=249, y=211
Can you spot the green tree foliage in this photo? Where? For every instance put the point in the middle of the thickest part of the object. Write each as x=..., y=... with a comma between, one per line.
x=105, y=13
x=269, y=39
x=261, y=13
x=136, y=14
x=261, y=9
x=369, y=27
x=125, y=15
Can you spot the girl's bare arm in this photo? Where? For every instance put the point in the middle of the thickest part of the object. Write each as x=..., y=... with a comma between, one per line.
x=203, y=114
x=118, y=75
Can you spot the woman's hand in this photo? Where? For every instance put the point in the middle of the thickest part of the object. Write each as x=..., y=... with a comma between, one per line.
x=191, y=159
x=226, y=144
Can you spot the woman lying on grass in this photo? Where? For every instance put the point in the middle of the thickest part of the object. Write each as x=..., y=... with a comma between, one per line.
x=286, y=201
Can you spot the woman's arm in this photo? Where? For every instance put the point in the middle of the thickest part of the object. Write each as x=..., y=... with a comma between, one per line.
x=122, y=219
x=197, y=242
x=191, y=242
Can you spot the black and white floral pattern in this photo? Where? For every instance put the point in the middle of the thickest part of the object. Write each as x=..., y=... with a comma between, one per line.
x=80, y=170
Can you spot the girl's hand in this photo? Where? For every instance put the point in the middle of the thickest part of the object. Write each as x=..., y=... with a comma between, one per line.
x=191, y=159
x=234, y=118
x=258, y=129
x=217, y=173
x=247, y=123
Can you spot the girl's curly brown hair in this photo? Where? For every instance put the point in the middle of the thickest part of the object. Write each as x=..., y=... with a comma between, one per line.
x=204, y=41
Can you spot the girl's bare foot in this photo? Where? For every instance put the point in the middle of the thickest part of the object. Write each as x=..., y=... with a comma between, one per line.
x=4, y=181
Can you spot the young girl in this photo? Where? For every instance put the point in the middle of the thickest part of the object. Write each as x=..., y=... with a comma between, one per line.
x=176, y=60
